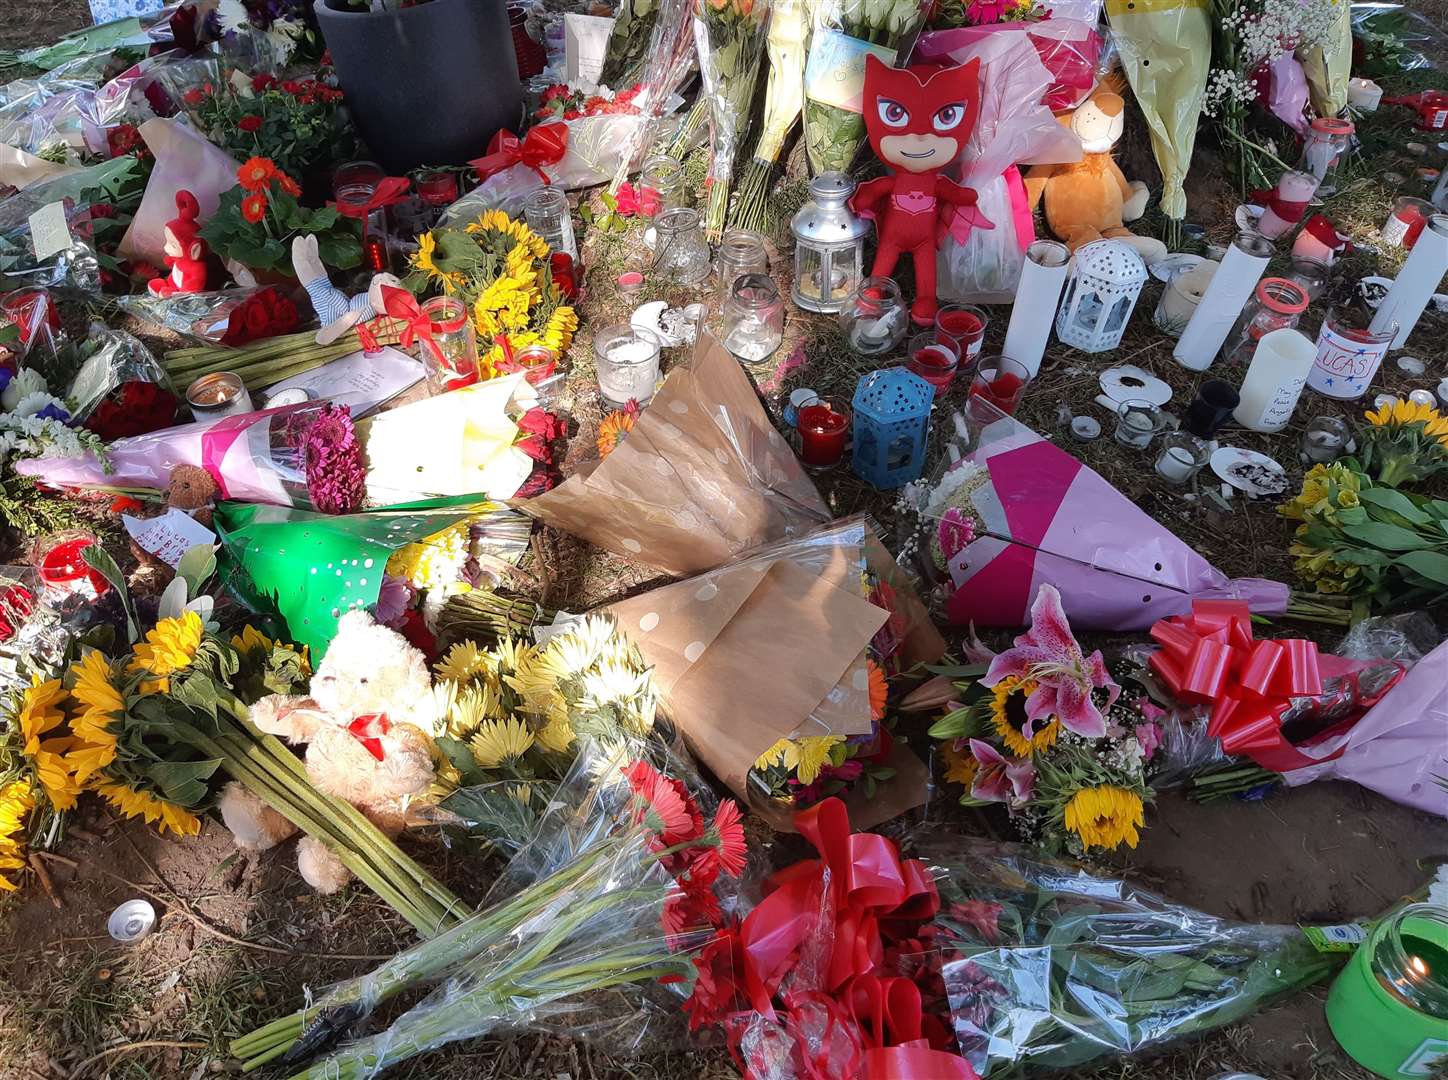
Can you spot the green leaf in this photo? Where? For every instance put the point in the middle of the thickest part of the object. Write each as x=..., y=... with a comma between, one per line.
x=1432, y=565
x=339, y=252
x=1394, y=500
x=196, y=567
x=1388, y=537
x=97, y=557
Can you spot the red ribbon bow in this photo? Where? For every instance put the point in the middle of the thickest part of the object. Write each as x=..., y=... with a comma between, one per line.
x=1210, y=657
x=390, y=191
x=543, y=145
x=368, y=730
x=401, y=304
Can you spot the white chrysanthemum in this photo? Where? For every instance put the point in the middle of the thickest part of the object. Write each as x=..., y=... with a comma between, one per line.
x=27, y=381
x=1438, y=887
x=36, y=402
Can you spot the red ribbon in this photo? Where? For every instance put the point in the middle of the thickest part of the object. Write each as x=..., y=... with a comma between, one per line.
x=390, y=191
x=368, y=730
x=401, y=304
x=543, y=145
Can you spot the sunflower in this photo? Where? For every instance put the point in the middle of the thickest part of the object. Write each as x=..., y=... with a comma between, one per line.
x=1105, y=816
x=134, y=803
x=500, y=741
x=95, y=745
x=1400, y=413
x=256, y=173
x=40, y=711
x=54, y=773
x=17, y=799
x=1008, y=717
x=93, y=687
x=251, y=640
x=615, y=427
x=171, y=646
x=960, y=767
x=463, y=663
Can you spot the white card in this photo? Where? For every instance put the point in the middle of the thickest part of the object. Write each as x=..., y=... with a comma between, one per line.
x=585, y=44
x=169, y=536
x=358, y=380
x=48, y=231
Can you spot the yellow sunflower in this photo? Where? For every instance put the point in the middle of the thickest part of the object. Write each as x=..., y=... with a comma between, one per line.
x=17, y=799
x=1400, y=413
x=251, y=640
x=1008, y=718
x=960, y=767
x=499, y=741
x=171, y=646
x=40, y=711
x=142, y=804
x=55, y=775
x=1105, y=816
x=95, y=741
x=93, y=688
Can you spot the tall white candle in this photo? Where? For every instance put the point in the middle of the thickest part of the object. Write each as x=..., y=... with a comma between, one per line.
x=1034, y=310
x=1274, y=380
x=1416, y=282
x=1364, y=94
x=1230, y=288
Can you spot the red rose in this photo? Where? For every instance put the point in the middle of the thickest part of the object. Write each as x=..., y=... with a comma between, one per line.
x=134, y=408
x=540, y=480
x=122, y=139
x=257, y=320
x=263, y=82
x=194, y=97
x=292, y=86
x=536, y=448
x=545, y=425
x=249, y=123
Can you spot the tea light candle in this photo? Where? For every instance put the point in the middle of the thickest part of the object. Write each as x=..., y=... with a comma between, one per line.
x=1325, y=440
x=1137, y=422
x=1364, y=94
x=220, y=394
x=1422, y=397
x=1180, y=298
x=1379, y=400
x=1443, y=393
x=934, y=359
x=1182, y=456
x=822, y=427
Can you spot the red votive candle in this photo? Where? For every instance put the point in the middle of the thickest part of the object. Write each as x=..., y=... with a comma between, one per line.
x=1001, y=381
x=933, y=359
x=964, y=326
x=822, y=427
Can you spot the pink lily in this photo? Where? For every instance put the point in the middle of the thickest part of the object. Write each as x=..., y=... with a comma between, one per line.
x=1049, y=655
x=1149, y=737
x=1001, y=779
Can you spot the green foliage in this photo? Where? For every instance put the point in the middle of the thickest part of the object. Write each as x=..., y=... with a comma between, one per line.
x=30, y=512
x=299, y=124
x=267, y=244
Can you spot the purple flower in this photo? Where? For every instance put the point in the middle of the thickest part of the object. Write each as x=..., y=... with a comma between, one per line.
x=393, y=600
x=956, y=531
x=5, y=376
x=1001, y=779
x=1049, y=655
x=53, y=412
x=336, y=476
x=1149, y=736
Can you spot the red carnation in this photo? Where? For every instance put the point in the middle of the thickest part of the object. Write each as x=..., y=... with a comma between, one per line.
x=134, y=408
x=249, y=123
x=263, y=82
x=292, y=86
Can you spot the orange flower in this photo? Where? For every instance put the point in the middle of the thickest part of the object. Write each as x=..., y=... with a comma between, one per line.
x=615, y=426
x=288, y=184
x=256, y=173
x=253, y=207
x=879, y=690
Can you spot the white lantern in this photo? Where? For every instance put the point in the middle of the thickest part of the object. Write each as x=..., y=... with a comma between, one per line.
x=829, y=245
x=1105, y=282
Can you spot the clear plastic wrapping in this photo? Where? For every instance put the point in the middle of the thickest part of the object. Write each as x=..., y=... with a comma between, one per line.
x=1052, y=967
x=234, y=317
x=121, y=389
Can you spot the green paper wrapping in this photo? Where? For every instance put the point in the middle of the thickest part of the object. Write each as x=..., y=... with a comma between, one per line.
x=312, y=568
x=1166, y=52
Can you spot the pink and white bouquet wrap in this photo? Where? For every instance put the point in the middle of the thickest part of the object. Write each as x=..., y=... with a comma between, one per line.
x=1008, y=512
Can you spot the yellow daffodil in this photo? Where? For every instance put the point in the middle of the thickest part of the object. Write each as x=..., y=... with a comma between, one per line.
x=171, y=646
x=142, y=804
x=500, y=741
x=1105, y=816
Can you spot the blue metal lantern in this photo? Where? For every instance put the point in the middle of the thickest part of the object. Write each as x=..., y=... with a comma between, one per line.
x=892, y=422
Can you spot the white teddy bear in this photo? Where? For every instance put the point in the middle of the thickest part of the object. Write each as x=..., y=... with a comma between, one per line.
x=363, y=725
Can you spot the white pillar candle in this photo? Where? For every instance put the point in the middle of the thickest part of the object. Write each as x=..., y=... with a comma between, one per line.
x=1274, y=381
x=1034, y=310
x=1226, y=295
x=1416, y=282
x=1364, y=94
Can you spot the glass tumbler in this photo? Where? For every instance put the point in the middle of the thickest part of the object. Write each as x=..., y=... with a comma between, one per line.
x=753, y=319
x=1001, y=381
x=627, y=358
x=450, y=353
x=547, y=212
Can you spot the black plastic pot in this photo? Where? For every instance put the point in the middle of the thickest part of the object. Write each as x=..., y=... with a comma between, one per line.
x=426, y=85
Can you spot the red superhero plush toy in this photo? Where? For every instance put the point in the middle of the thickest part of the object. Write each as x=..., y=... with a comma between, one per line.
x=919, y=119
x=185, y=251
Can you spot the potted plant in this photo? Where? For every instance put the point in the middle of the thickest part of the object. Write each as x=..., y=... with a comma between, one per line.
x=427, y=84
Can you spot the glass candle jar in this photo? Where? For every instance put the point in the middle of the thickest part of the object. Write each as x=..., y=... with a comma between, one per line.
x=1001, y=381
x=681, y=256
x=357, y=172
x=352, y=197
x=1325, y=440
x=1138, y=422
x=1312, y=274
x=753, y=319
x=935, y=358
x=547, y=212
x=1181, y=296
x=437, y=189
x=450, y=351
x=1323, y=149
x=536, y=362
x=222, y=393
x=1408, y=219
x=875, y=319
x=1277, y=304
x=1182, y=457
x=963, y=325
x=627, y=358
x=1211, y=408
x=823, y=426
x=740, y=252
x=1348, y=357
x=661, y=184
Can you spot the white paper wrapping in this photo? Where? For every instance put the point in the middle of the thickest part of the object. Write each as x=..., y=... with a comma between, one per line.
x=1226, y=296
x=1034, y=311
x=1416, y=282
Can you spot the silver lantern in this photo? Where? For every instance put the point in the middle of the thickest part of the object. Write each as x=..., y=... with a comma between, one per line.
x=829, y=249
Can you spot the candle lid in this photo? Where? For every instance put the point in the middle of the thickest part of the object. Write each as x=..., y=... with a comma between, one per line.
x=1330, y=125
x=1282, y=296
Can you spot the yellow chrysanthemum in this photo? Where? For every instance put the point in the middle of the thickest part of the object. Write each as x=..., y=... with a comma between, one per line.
x=171, y=646
x=40, y=711
x=1008, y=718
x=463, y=663
x=557, y=735
x=1105, y=816
x=783, y=752
x=142, y=804
x=17, y=799
x=434, y=560
x=805, y=757
x=499, y=741
x=960, y=767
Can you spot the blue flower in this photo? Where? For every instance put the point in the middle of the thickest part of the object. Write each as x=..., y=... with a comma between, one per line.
x=5, y=376
x=53, y=412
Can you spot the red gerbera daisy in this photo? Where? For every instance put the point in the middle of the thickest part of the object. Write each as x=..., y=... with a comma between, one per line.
x=253, y=207
x=727, y=838
x=288, y=184
x=255, y=173
x=690, y=909
x=666, y=812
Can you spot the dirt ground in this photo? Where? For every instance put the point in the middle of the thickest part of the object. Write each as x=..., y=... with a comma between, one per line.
x=239, y=939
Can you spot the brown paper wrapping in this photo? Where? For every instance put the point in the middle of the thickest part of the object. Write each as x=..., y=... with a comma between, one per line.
x=702, y=477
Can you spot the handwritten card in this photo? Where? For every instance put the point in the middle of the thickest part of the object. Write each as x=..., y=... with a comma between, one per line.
x=169, y=536
x=48, y=231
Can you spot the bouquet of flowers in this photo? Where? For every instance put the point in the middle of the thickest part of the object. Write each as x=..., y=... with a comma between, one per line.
x=259, y=217
x=279, y=29
x=120, y=389
x=843, y=32
x=1049, y=967
x=500, y=269
x=231, y=317
x=783, y=100
x=35, y=423
x=1047, y=731
x=37, y=784
x=730, y=37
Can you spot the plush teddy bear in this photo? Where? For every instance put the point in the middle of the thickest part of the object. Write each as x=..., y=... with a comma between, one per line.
x=1091, y=199
x=364, y=728
x=193, y=490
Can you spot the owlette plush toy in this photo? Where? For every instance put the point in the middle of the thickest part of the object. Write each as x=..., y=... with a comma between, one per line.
x=918, y=119
x=185, y=251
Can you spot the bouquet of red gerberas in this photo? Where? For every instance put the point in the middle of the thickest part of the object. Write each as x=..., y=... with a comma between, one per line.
x=119, y=388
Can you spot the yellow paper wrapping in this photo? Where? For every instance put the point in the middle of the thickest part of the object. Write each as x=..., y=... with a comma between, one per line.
x=1166, y=51
x=1328, y=66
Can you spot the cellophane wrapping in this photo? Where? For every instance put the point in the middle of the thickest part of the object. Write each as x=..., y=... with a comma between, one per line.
x=731, y=45
x=116, y=367
x=207, y=317
x=1051, y=967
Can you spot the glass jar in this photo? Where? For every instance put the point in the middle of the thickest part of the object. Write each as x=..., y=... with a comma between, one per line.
x=353, y=194
x=1182, y=457
x=536, y=362
x=740, y=252
x=661, y=184
x=1325, y=440
x=1212, y=407
x=1002, y=382
x=547, y=212
x=1276, y=304
x=1138, y=422
x=875, y=320
x=829, y=245
x=449, y=351
x=823, y=426
x=963, y=325
x=1406, y=222
x=1181, y=296
x=753, y=319
x=1323, y=149
x=1348, y=357
x=935, y=358
x=681, y=255
x=627, y=358
x=1312, y=274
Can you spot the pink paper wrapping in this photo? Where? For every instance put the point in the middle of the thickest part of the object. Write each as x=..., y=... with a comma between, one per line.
x=1400, y=748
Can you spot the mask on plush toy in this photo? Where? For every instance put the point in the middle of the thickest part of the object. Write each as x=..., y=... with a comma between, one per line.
x=919, y=118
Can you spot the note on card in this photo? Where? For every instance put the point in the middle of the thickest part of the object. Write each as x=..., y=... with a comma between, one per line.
x=48, y=231
x=169, y=536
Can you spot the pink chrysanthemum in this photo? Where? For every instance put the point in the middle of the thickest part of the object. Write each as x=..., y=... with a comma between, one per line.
x=332, y=456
